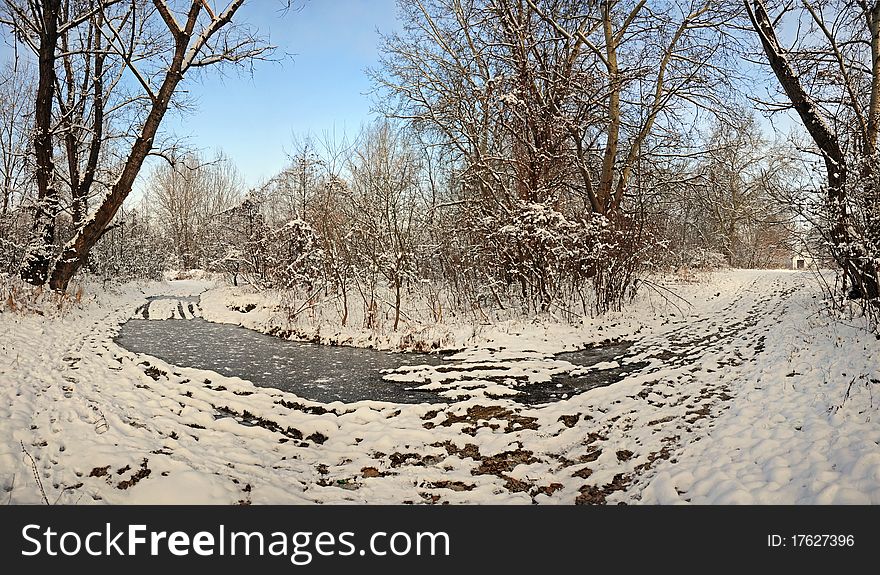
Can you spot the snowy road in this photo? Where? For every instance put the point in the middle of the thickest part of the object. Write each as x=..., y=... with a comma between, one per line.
x=741, y=399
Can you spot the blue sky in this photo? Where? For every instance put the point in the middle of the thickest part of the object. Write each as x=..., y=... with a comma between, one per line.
x=320, y=87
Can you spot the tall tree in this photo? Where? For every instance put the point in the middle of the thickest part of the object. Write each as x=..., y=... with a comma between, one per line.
x=830, y=76
x=539, y=96
x=155, y=43
x=653, y=62
x=187, y=197
x=16, y=157
x=384, y=172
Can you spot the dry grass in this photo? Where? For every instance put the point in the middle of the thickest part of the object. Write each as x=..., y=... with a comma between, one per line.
x=22, y=298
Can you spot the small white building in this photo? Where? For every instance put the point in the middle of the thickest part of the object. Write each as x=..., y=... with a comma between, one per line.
x=801, y=261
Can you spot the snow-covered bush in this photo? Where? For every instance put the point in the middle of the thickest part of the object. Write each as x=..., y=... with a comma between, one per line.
x=130, y=249
x=14, y=227
x=294, y=258
x=705, y=259
x=554, y=259
x=238, y=242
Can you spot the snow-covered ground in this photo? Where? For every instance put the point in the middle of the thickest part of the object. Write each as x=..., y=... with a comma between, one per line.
x=748, y=394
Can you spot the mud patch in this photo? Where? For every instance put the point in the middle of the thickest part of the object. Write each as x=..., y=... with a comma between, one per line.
x=136, y=477
x=483, y=416
x=451, y=485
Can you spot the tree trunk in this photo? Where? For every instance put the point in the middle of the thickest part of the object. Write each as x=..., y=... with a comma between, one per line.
x=861, y=273
x=91, y=167
x=74, y=254
x=870, y=168
x=609, y=159
x=36, y=266
x=396, y=304
x=869, y=288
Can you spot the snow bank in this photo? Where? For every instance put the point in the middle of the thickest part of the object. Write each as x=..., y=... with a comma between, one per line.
x=746, y=394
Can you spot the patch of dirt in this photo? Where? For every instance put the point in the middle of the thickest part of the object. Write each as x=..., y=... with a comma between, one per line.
x=323, y=471
x=480, y=416
x=398, y=459
x=310, y=409
x=550, y=489
x=249, y=418
x=429, y=497
x=569, y=420
x=451, y=485
x=154, y=372
x=368, y=472
x=468, y=451
x=317, y=437
x=593, y=437
x=516, y=485
x=664, y=453
x=502, y=462
x=592, y=455
x=430, y=414
x=100, y=471
x=141, y=473
x=583, y=473
x=595, y=495
x=698, y=414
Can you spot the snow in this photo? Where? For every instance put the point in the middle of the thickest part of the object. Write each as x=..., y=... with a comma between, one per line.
x=790, y=436
x=751, y=394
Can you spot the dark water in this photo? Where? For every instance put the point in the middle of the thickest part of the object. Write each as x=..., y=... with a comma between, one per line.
x=336, y=373
x=565, y=385
x=317, y=372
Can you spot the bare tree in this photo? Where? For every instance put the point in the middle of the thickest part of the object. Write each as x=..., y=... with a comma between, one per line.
x=830, y=75
x=384, y=173
x=736, y=178
x=535, y=94
x=187, y=196
x=297, y=185
x=655, y=62
x=238, y=241
x=550, y=107
x=15, y=146
x=494, y=84
x=155, y=44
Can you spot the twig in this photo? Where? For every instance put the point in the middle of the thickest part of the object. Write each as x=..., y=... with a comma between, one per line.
x=657, y=288
x=67, y=488
x=837, y=408
x=36, y=473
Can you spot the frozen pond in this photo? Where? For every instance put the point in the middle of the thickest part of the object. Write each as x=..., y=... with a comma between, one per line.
x=340, y=373
x=317, y=372
x=567, y=384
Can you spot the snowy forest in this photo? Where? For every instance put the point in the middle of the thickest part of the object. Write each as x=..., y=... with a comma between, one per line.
x=684, y=192
x=533, y=155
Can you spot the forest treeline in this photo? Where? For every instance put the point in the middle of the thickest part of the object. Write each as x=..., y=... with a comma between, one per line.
x=535, y=155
